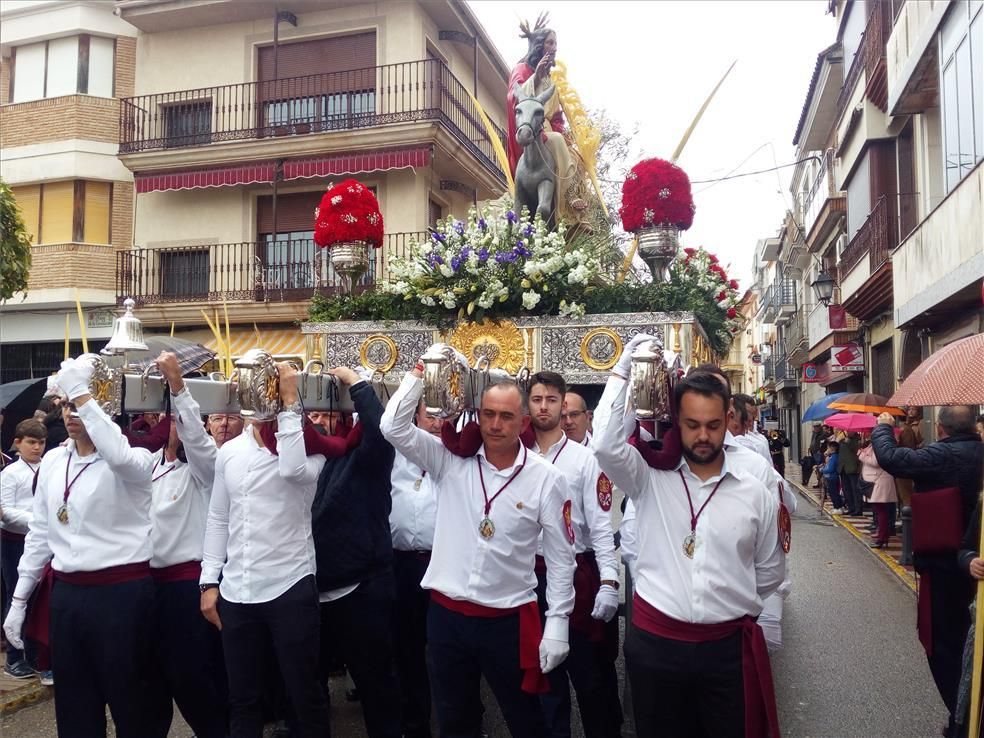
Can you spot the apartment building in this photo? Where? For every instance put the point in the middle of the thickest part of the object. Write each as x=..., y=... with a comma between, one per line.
x=63, y=68
x=243, y=113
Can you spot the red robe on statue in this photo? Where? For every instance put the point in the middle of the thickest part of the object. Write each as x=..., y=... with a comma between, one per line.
x=519, y=75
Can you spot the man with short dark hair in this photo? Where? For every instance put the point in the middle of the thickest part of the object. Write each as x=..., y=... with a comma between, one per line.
x=17, y=485
x=708, y=554
x=483, y=618
x=944, y=592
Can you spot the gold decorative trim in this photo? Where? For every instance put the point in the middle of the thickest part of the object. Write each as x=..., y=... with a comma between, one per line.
x=589, y=360
x=384, y=366
x=501, y=343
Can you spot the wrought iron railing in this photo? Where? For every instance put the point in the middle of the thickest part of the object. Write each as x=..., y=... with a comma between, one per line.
x=873, y=237
x=874, y=40
x=784, y=370
x=821, y=190
x=272, y=271
x=319, y=103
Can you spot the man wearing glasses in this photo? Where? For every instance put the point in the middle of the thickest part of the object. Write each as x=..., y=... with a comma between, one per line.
x=576, y=419
x=224, y=427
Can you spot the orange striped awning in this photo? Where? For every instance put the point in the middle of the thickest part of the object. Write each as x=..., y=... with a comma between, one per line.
x=286, y=343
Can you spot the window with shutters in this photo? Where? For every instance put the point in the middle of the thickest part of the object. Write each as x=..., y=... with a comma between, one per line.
x=71, y=211
x=961, y=52
x=63, y=66
x=435, y=212
x=188, y=124
x=319, y=84
x=184, y=273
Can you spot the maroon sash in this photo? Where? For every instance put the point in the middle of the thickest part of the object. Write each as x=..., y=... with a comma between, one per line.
x=937, y=521
x=188, y=571
x=761, y=716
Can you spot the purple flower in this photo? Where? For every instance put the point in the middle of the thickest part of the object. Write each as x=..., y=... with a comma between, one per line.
x=507, y=256
x=459, y=228
x=482, y=224
x=465, y=252
x=511, y=216
x=528, y=231
x=483, y=255
x=455, y=263
x=521, y=249
x=438, y=236
x=434, y=259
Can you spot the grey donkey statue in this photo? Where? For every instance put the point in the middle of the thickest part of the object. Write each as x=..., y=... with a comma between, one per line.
x=536, y=170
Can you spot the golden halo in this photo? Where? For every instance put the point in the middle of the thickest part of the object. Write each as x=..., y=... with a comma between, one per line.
x=373, y=341
x=601, y=364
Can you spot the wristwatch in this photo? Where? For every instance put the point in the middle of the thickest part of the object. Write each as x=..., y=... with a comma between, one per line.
x=207, y=586
x=611, y=583
x=294, y=407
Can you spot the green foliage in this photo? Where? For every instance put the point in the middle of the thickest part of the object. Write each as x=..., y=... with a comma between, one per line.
x=15, y=247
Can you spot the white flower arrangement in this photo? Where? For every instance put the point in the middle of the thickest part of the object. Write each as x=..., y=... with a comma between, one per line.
x=495, y=264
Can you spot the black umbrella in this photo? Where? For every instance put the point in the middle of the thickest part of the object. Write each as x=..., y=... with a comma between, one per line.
x=191, y=355
x=18, y=401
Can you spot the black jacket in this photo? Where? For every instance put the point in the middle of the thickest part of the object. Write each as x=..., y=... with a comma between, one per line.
x=956, y=461
x=350, y=513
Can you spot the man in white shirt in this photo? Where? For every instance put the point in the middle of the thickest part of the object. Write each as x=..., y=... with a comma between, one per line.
x=258, y=540
x=483, y=619
x=576, y=418
x=184, y=471
x=17, y=486
x=412, y=521
x=590, y=666
x=708, y=554
x=91, y=520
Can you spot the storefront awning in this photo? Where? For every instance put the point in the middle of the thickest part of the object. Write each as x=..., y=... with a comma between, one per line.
x=279, y=343
x=263, y=172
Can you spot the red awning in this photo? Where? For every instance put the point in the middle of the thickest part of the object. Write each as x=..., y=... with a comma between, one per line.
x=262, y=172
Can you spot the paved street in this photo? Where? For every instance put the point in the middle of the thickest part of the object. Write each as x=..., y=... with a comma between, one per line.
x=851, y=666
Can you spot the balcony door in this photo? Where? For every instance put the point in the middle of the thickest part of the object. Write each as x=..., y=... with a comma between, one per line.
x=319, y=85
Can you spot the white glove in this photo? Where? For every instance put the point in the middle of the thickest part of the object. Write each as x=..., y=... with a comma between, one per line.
x=552, y=653
x=15, y=622
x=606, y=603
x=365, y=375
x=624, y=365
x=74, y=376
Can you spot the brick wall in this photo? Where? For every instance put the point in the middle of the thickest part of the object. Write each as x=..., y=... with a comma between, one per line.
x=59, y=118
x=72, y=264
x=126, y=66
x=121, y=227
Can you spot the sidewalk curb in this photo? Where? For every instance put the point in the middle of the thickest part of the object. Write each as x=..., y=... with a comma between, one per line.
x=891, y=563
x=26, y=696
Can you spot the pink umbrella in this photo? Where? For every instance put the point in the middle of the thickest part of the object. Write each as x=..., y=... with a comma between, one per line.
x=852, y=421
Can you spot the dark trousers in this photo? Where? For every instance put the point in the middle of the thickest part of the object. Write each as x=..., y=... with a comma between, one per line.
x=833, y=487
x=460, y=651
x=362, y=624
x=590, y=668
x=189, y=658
x=852, y=493
x=950, y=595
x=291, y=624
x=685, y=690
x=10, y=555
x=102, y=654
x=411, y=641
x=884, y=519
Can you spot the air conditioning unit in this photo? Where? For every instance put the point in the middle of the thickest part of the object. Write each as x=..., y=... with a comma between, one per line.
x=842, y=242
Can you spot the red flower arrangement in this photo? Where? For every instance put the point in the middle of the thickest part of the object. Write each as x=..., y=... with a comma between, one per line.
x=656, y=192
x=348, y=212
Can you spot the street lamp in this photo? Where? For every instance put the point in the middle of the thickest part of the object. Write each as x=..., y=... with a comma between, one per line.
x=823, y=286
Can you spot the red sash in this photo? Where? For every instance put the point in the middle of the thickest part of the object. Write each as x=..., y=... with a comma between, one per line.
x=185, y=572
x=112, y=575
x=530, y=633
x=587, y=582
x=761, y=717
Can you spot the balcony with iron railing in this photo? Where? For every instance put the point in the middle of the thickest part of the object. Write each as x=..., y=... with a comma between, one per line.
x=784, y=297
x=271, y=271
x=870, y=59
x=786, y=374
x=767, y=306
x=796, y=338
x=822, y=202
x=353, y=100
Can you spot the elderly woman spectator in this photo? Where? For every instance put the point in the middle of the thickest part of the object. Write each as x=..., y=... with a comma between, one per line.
x=882, y=497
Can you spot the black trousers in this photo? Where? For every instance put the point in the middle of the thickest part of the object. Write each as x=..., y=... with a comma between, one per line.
x=590, y=668
x=102, y=654
x=189, y=658
x=851, y=491
x=10, y=555
x=362, y=624
x=411, y=641
x=950, y=596
x=686, y=690
x=291, y=624
x=460, y=651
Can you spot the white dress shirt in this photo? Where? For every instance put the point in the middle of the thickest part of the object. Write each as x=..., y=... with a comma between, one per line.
x=592, y=524
x=497, y=571
x=737, y=560
x=258, y=533
x=17, y=495
x=182, y=490
x=414, y=510
x=108, y=507
x=758, y=443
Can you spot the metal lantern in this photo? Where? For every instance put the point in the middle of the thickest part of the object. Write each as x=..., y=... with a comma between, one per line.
x=658, y=246
x=351, y=260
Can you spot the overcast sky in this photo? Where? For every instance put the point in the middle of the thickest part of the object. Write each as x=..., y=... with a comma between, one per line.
x=655, y=62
